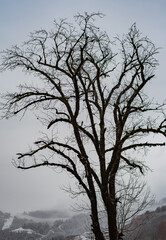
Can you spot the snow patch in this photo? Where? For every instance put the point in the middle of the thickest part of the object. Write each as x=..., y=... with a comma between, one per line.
x=8, y=223
x=19, y=230
x=83, y=238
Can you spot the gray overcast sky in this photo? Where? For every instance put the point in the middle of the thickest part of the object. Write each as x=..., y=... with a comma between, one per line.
x=39, y=188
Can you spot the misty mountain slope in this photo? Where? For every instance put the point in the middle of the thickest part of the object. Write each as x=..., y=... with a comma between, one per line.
x=47, y=225
x=34, y=226
x=48, y=214
x=149, y=226
x=76, y=225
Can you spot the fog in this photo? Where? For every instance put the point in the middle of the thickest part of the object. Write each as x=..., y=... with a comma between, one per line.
x=41, y=188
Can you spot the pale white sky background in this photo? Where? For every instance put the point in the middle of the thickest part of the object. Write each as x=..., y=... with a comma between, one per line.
x=39, y=188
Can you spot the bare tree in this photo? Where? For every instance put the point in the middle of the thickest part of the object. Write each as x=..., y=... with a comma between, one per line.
x=98, y=95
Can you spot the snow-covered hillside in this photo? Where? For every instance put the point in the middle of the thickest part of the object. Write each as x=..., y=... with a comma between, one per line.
x=8, y=223
x=44, y=225
x=49, y=225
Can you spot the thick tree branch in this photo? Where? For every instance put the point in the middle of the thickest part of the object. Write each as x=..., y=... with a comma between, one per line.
x=63, y=166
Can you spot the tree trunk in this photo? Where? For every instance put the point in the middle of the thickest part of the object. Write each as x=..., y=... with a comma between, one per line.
x=111, y=210
x=111, y=216
x=95, y=222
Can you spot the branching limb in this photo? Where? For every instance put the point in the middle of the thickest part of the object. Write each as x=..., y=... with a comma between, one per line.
x=63, y=166
x=142, y=145
x=132, y=164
